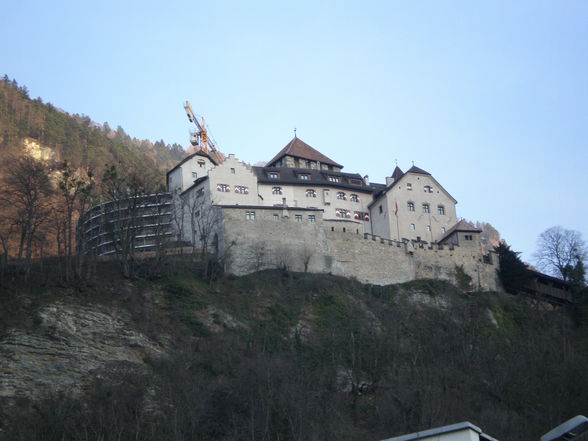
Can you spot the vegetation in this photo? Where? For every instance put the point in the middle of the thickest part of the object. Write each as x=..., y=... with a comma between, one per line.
x=513, y=272
x=54, y=166
x=296, y=356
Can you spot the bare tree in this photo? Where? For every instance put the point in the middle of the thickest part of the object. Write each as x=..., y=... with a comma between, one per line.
x=559, y=251
x=75, y=187
x=26, y=191
x=127, y=194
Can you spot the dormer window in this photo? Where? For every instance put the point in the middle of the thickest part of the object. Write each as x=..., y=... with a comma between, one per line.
x=341, y=196
x=354, y=198
x=274, y=175
x=355, y=181
x=428, y=189
x=310, y=194
x=334, y=179
x=304, y=177
x=277, y=190
x=408, y=186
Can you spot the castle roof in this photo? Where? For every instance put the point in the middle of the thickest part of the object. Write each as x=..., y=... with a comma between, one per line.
x=397, y=173
x=300, y=149
x=415, y=169
x=330, y=178
x=462, y=226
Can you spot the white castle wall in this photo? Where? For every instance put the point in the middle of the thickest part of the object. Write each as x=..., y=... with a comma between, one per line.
x=339, y=248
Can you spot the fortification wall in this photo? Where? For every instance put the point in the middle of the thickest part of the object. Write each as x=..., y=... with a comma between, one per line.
x=337, y=248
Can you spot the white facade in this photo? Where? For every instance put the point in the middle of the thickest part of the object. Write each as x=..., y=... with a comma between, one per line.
x=413, y=205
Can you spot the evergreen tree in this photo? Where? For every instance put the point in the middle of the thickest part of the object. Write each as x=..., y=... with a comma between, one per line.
x=512, y=271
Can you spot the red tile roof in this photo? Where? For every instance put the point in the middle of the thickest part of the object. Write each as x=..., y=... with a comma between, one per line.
x=300, y=149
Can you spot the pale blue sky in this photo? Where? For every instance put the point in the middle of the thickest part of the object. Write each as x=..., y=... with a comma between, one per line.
x=490, y=97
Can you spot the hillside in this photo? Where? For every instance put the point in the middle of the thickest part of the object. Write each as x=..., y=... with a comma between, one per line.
x=278, y=355
x=76, y=137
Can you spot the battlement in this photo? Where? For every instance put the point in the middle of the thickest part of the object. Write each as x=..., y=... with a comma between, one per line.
x=302, y=243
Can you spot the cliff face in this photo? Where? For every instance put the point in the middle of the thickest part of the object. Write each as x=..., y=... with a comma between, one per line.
x=71, y=344
x=281, y=355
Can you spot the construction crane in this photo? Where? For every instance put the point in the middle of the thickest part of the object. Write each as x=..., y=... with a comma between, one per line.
x=200, y=136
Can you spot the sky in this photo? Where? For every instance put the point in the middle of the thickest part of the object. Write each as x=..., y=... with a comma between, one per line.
x=491, y=97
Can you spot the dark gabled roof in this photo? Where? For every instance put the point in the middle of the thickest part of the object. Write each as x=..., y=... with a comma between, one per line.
x=420, y=171
x=300, y=149
x=462, y=226
x=397, y=174
x=215, y=157
x=290, y=176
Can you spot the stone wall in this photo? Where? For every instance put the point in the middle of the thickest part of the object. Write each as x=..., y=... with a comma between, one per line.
x=274, y=239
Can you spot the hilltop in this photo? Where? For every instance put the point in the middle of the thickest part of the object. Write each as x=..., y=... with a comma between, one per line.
x=278, y=355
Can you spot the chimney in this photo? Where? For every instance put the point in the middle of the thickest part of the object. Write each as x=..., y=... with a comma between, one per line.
x=232, y=155
x=366, y=179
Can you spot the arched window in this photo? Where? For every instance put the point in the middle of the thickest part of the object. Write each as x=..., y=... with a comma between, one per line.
x=440, y=209
x=277, y=190
x=426, y=208
x=428, y=189
x=354, y=198
x=223, y=187
x=241, y=189
x=410, y=206
x=341, y=196
x=310, y=193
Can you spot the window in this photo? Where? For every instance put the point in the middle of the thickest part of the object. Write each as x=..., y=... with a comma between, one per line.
x=274, y=175
x=428, y=228
x=342, y=212
x=223, y=187
x=412, y=226
x=304, y=177
x=426, y=208
x=310, y=194
x=410, y=206
x=428, y=189
x=311, y=218
x=250, y=215
x=341, y=196
x=276, y=217
x=468, y=237
x=232, y=171
x=440, y=209
x=408, y=186
x=200, y=193
x=355, y=181
x=194, y=175
x=354, y=198
x=298, y=218
x=381, y=210
x=360, y=215
x=334, y=179
x=443, y=230
x=277, y=190
x=241, y=189
x=201, y=163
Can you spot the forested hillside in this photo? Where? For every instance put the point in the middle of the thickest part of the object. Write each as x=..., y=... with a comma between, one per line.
x=278, y=356
x=54, y=166
x=76, y=137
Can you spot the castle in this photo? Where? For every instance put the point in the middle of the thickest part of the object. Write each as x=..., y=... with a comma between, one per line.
x=302, y=212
